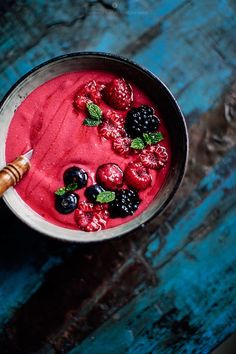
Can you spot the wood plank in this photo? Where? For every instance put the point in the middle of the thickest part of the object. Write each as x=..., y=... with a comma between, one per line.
x=189, y=54
x=91, y=26
x=188, y=309
x=22, y=52
x=200, y=219
x=112, y=292
x=184, y=29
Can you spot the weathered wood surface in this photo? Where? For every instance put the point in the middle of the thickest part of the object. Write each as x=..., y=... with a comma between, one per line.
x=170, y=286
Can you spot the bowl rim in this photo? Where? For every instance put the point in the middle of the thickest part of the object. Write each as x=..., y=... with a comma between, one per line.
x=146, y=71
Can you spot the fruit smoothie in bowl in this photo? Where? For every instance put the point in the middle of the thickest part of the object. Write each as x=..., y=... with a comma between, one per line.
x=109, y=146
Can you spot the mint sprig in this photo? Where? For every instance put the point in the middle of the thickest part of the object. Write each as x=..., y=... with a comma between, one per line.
x=106, y=197
x=147, y=139
x=137, y=143
x=153, y=138
x=95, y=115
x=60, y=191
x=70, y=188
x=91, y=123
x=94, y=111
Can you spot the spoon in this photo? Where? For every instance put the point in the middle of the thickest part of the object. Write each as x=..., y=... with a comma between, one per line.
x=14, y=171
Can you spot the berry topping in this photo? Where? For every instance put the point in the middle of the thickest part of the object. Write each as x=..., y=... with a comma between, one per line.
x=118, y=94
x=137, y=176
x=92, y=192
x=80, y=102
x=141, y=120
x=125, y=203
x=161, y=153
x=90, y=217
x=66, y=203
x=149, y=159
x=109, y=176
x=115, y=117
x=121, y=146
x=89, y=93
x=155, y=157
x=110, y=130
x=93, y=90
x=75, y=175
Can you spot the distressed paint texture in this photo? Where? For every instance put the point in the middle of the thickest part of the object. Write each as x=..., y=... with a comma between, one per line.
x=169, y=286
x=179, y=310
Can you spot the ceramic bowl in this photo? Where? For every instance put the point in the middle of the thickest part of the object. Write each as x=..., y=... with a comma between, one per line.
x=144, y=79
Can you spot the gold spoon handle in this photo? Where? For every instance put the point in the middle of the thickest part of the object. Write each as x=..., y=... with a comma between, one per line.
x=13, y=172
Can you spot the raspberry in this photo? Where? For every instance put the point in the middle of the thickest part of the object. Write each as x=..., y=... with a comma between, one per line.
x=149, y=159
x=80, y=102
x=93, y=90
x=155, y=157
x=161, y=153
x=115, y=117
x=141, y=120
x=109, y=176
x=137, y=176
x=121, y=146
x=118, y=94
x=110, y=130
x=125, y=203
x=90, y=217
x=90, y=93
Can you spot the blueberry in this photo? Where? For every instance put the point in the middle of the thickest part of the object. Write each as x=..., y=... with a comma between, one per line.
x=75, y=175
x=92, y=192
x=66, y=203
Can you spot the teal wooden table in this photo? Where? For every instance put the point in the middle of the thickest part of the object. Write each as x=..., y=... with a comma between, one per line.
x=170, y=286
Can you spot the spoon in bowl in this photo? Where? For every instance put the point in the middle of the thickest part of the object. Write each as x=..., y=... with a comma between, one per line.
x=14, y=171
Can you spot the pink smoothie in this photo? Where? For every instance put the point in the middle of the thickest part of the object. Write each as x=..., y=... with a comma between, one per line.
x=47, y=122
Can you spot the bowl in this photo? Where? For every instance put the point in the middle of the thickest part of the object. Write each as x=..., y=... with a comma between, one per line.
x=143, y=78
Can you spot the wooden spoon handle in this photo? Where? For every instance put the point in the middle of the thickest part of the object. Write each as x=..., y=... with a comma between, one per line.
x=13, y=172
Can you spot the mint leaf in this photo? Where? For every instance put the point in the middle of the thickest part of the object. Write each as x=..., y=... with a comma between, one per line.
x=71, y=187
x=137, y=143
x=147, y=138
x=95, y=115
x=105, y=197
x=94, y=111
x=156, y=137
x=152, y=138
x=91, y=122
x=61, y=191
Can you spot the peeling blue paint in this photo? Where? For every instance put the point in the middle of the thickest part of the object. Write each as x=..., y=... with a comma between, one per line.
x=215, y=184
x=184, y=287
x=19, y=284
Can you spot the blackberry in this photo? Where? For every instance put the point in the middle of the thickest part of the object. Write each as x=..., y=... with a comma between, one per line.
x=125, y=203
x=141, y=120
